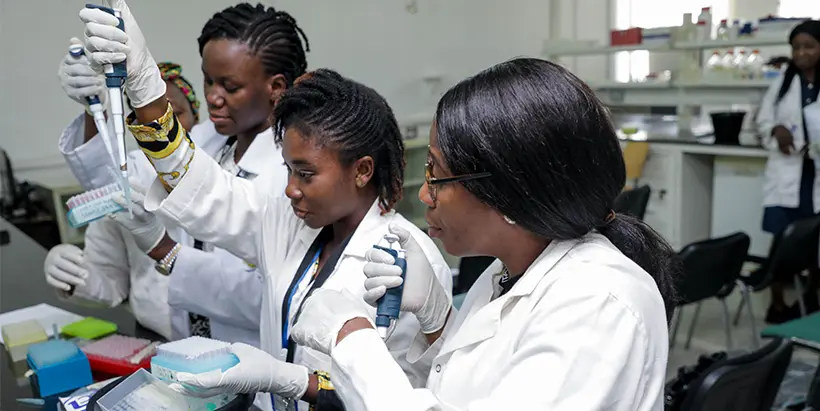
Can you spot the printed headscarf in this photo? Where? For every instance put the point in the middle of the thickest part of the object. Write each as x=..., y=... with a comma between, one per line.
x=173, y=72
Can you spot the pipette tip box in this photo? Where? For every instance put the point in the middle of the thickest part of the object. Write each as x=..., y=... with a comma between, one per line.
x=17, y=337
x=93, y=205
x=194, y=355
x=58, y=366
x=119, y=355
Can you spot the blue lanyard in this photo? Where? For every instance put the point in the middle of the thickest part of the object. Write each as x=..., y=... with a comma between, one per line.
x=285, y=328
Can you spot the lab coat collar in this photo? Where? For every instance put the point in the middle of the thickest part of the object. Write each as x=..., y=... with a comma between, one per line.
x=366, y=235
x=483, y=319
x=259, y=155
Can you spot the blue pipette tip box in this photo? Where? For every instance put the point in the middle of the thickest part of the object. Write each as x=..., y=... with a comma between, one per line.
x=59, y=366
x=194, y=355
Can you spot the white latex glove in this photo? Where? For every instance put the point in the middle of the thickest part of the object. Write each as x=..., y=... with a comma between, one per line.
x=108, y=44
x=323, y=315
x=65, y=267
x=79, y=80
x=423, y=294
x=257, y=371
x=145, y=227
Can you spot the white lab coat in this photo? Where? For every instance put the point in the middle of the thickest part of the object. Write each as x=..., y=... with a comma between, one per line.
x=215, y=284
x=228, y=211
x=781, y=185
x=584, y=329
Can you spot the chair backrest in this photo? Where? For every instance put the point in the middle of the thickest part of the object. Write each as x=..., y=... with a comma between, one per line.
x=711, y=265
x=633, y=202
x=792, y=251
x=469, y=269
x=635, y=153
x=748, y=382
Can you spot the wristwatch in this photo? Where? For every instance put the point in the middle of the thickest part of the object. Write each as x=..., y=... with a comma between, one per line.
x=165, y=265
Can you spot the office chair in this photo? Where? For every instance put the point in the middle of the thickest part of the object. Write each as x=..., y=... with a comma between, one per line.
x=749, y=382
x=710, y=270
x=633, y=202
x=792, y=252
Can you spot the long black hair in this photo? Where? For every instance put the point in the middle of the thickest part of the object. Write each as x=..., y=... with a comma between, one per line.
x=555, y=161
x=812, y=28
x=351, y=118
x=271, y=35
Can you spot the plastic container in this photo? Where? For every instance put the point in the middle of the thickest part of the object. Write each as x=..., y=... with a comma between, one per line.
x=705, y=24
x=754, y=66
x=739, y=65
x=59, y=366
x=242, y=402
x=723, y=30
x=714, y=67
x=194, y=355
x=728, y=64
x=18, y=337
x=727, y=126
x=119, y=355
x=89, y=328
x=141, y=391
x=93, y=205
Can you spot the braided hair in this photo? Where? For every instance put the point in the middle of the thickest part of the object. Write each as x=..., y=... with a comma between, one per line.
x=271, y=35
x=351, y=118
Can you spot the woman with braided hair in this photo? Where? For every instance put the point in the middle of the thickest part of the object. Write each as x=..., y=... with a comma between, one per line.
x=345, y=156
x=250, y=55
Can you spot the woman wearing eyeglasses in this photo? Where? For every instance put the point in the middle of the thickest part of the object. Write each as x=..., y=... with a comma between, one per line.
x=524, y=165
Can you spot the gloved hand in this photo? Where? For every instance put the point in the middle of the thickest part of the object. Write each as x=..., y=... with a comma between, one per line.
x=65, y=267
x=257, y=371
x=145, y=227
x=323, y=315
x=423, y=295
x=79, y=80
x=107, y=45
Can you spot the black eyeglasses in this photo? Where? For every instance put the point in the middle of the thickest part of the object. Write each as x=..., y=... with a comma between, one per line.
x=433, y=182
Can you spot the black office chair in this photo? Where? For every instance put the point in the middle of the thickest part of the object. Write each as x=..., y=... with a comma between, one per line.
x=749, y=382
x=710, y=270
x=792, y=252
x=633, y=202
x=469, y=269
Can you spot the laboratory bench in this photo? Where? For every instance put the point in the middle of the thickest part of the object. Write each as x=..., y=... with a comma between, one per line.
x=700, y=189
x=23, y=284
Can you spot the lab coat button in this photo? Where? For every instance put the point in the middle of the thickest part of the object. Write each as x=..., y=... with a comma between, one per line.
x=438, y=367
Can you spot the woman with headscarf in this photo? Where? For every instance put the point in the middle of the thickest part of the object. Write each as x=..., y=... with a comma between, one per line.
x=788, y=119
x=112, y=269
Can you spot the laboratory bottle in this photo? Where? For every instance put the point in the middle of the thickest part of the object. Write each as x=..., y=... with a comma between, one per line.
x=723, y=30
x=705, y=24
x=739, y=65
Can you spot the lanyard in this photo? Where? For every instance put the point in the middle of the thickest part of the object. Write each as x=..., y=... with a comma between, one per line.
x=330, y=264
x=291, y=294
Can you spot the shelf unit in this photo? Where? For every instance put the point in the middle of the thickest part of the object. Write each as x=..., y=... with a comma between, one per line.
x=684, y=91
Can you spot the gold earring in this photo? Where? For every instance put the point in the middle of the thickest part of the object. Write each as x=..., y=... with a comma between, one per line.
x=359, y=183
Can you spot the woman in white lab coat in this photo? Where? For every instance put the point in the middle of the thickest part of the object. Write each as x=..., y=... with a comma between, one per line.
x=573, y=314
x=250, y=54
x=343, y=147
x=112, y=268
x=788, y=121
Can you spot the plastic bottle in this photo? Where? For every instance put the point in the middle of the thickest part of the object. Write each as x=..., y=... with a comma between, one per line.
x=734, y=31
x=754, y=66
x=728, y=64
x=687, y=28
x=705, y=24
x=739, y=65
x=723, y=30
x=714, y=66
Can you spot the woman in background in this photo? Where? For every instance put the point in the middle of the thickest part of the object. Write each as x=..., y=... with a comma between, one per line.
x=790, y=190
x=112, y=268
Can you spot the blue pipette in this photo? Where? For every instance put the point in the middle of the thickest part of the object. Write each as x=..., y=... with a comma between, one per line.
x=115, y=75
x=95, y=107
x=389, y=306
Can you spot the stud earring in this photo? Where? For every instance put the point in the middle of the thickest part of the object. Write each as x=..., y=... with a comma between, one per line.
x=359, y=183
x=509, y=220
